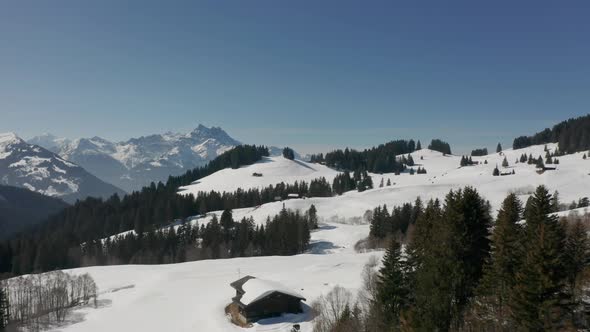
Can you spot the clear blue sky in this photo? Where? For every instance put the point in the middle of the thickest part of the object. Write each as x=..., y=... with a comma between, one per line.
x=309, y=74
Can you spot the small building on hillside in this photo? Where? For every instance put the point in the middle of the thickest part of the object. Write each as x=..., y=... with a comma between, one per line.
x=258, y=298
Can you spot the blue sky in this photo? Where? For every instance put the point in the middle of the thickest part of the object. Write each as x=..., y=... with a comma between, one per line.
x=309, y=74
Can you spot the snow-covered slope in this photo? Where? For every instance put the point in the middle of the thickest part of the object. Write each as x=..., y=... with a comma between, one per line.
x=192, y=296
x=137, y=162
x=571, y=179
x=273, y=169
x=40, y=170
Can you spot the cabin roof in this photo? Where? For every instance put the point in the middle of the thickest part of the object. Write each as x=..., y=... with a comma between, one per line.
x=251, y=289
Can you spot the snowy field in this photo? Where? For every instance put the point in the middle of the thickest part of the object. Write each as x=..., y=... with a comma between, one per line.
x=192, y=296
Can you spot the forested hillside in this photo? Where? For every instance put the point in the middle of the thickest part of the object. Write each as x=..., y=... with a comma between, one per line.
x=572, y=135
x=380, y=159
x=20, y=208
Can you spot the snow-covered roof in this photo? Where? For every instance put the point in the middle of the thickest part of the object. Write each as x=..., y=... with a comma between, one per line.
x=256, y=289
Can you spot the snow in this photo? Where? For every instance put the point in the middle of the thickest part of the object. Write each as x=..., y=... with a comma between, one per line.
x=256, y=288
x=571, y=179
x=273, y=169
x=192, y=296
x=6, y=140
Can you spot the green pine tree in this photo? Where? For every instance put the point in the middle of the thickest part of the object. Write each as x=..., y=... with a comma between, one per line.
x=577, y=252
x=500, y=271
x=536, y=299
x=392, y=289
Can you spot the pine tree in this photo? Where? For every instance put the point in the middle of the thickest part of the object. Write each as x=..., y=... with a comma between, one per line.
x=500, y=271
x=392, y=289
x=388, y=182
x=535, y=300
x=555, y=201
x=312, y=216
x=499, y=148
x=288, y=153
x=418, y=145
x=496, y=171
x=505, y=162
x=227, y=223
x=577, y=252
x=381, y=184
x=584, y=156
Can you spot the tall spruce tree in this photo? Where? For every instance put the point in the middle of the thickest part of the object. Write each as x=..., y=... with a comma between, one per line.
x=505, y=258
x=577, y=252
x=392, y=287
x=536, y=299
x=449, y=260
x=499, y=148
x=418, y=145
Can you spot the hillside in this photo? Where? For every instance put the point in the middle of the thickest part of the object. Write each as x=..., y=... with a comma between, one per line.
x=570, y=179
x=272, y=170
x=20, y=208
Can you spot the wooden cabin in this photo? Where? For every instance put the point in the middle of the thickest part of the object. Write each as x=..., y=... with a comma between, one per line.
x=258, y=298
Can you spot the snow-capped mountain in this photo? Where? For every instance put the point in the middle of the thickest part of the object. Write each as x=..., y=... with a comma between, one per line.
x=40, y=170
x=138, y=161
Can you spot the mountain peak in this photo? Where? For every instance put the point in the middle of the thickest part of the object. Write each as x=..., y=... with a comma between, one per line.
x=9, y=138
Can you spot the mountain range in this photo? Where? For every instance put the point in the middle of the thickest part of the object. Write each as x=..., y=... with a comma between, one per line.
x=33, y=167
x=136, y=162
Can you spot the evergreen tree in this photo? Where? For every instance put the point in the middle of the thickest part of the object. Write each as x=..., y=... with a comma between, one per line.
x=555, y=201
x=288, y=153
x=505, y=162
x=388, y=182
x=440, y=146
x=392, y=288
x=418, y=145
x=577, y=252
x=535, y=301
x=312, y=217
x=499, y=148
x=496, y=171
x=227, y=224
x=500, y=271
x=448, y=269
x=584, y=156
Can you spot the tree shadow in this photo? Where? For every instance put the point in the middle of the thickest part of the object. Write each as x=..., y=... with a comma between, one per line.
x=321, y=247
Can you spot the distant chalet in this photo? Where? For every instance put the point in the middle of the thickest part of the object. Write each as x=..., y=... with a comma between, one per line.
x=257, y=299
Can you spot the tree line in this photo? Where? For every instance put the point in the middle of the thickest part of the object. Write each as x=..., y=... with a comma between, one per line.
x=380, y=159
x=55, y=245
x=572, y=135
x=287, y=233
